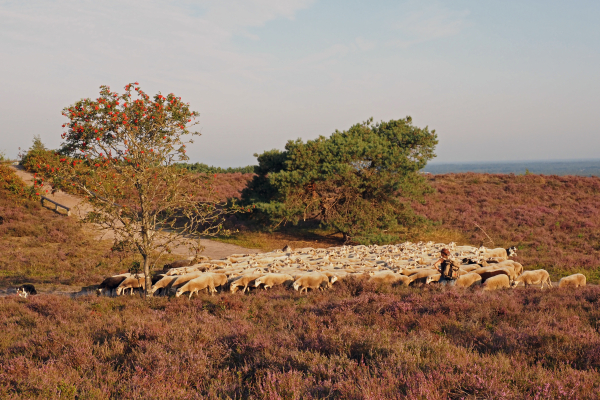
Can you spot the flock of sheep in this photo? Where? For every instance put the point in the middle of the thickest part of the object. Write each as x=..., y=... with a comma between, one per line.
x=318, y=269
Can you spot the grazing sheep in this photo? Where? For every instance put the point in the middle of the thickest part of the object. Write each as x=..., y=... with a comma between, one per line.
x=270, y=280
x=205, y=281
x=111, y=283
x=496, y=282
x=575, y=281
x=183, y=279
x=499, y=253
x=421, y=276
x=132, y=282
x=243, y=281
x=165, y=283
x=494, y=272
x=389, y=277
x=218, y=280
x=535, y=277
x=333, y=277
x=313, y=281
x=518, y=268
x=202, y=267
x=469, y=267
x=468, y=280
x=433, y=278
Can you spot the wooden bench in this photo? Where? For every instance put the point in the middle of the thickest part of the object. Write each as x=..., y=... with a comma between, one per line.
x=57, y=206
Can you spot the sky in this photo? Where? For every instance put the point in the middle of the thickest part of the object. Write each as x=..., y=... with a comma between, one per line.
x=497, y=80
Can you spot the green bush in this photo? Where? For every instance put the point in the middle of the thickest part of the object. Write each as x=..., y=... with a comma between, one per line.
x=358, y=182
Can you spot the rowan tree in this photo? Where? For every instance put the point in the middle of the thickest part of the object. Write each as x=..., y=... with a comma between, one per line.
x=120, y=151
x=358, y=182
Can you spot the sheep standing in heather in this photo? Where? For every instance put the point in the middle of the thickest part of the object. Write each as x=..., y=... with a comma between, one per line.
x=497, y=282
x=389, y=277
x=270, y=280
x=183, y=279
x=111, y=283
x=200, y=283
x=433, y=278
x=468, y=280
x=499, y=253
x=164, y=283
x=243, y=281
x=313, y=281
x=574, y=281
x=535, y=277
x=495, y=272
x=421, y=276
x=219, y=280
x=132, y=282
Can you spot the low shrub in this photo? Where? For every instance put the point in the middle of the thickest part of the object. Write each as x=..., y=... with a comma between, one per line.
x=343, y=343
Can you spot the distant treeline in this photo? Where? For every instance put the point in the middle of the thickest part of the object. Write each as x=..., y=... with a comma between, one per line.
x=561, y=168
x=203, y=168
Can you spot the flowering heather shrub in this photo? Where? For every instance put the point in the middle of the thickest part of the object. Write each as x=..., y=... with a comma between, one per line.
x=553, y=220
x=230, y=185
x=355, y=341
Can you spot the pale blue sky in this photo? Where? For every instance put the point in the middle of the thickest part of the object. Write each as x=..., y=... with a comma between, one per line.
x=498, y=80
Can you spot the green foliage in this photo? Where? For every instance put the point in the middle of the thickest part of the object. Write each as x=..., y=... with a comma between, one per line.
x=11, y=186
x=120, y=151
x=207, y=169
x=357, y=182
x=37, y=145
x=38, y=156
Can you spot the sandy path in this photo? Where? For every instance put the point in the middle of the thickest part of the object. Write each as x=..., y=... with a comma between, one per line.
x=79, y=209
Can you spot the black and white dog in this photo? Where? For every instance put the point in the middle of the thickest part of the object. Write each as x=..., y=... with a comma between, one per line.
x=26, y=290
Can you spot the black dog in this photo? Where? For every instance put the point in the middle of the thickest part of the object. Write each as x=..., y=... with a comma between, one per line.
x=26, y=290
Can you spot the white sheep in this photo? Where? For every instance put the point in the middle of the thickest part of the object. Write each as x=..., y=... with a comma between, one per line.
x=243, y=281
x=575, y=281
x=313, y=281
x=164, y=283
x=205, y=281
x=270, y=280
x=498, y=271
x=389, y=277
x=535, y=277
x=468, y=280
x=421, y=276
x=499, y=253
x=433, y=278
x=132, y=282
x=496, y=282
x=183, y=279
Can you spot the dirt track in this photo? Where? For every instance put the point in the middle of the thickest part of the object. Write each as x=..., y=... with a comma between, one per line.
x=78, y=208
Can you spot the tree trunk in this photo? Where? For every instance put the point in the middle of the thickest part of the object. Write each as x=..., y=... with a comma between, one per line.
x=347, y=237
x=147, y=276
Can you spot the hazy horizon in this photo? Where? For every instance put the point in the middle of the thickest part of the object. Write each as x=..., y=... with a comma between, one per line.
x=499, y=82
